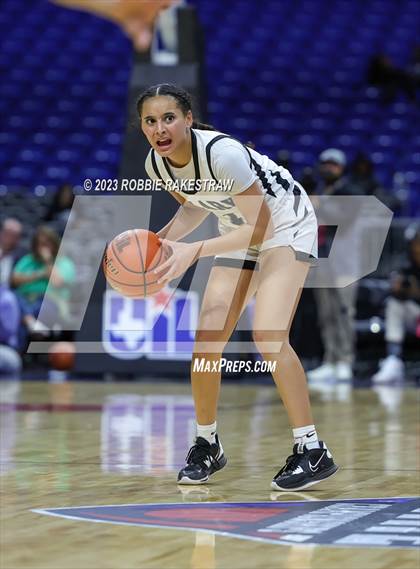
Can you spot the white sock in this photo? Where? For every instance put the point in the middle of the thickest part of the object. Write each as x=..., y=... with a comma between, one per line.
x=207, y=432
x=306, y=436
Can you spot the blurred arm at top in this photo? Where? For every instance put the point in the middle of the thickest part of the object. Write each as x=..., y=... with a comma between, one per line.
x=135, y=17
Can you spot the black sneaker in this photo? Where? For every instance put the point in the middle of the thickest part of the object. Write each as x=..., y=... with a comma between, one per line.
x=202, y=461
x=304, y=468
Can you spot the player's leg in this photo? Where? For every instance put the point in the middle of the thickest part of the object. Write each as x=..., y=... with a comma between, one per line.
x=227, y=293
x=281, y=280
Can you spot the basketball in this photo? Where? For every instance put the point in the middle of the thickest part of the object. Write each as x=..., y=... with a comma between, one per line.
x=129, y=261
x=61, y=356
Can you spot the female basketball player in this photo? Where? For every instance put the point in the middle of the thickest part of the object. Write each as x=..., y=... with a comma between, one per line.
x=268, y=234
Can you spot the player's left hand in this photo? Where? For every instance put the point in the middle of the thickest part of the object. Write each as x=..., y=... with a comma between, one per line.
x=183, y=256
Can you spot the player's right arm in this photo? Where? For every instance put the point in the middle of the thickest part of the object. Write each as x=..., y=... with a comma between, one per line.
x=187, y=218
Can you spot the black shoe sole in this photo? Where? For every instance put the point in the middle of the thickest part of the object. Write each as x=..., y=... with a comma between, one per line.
x=315, y=480
x=187, y=480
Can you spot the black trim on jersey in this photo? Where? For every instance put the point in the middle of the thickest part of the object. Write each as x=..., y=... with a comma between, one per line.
x=252, y=163
x=196, y=162
x=296, y=193
x=285, y=184
x=261, y=175
x=195, y=156
x=306, y=257
x=165, y=163
x=208, y=150
x=154, y=165
x=236, y=263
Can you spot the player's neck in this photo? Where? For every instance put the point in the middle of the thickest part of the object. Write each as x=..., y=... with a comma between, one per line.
x=182, y=155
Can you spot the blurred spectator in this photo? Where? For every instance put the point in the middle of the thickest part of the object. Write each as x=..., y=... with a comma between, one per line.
x=31, y=278
x=308, y=180
x=10, y=251
x=283, y=159
x=382, y=73
x=414, y=68
x=336, y=306
x=10, y=361
x=402, y=313
x=361, y=175
x=60, y=208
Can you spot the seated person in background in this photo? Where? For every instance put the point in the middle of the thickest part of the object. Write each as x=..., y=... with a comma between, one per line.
x=308, y=180
x=60, y=207
x=414, y=67
x=362, y=177
x=10, y=361
x=283, y=159
x=10, y=251
x=402, y=313
x=32, y=275
x=382, y=73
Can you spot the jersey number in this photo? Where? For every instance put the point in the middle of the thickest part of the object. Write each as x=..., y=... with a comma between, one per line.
x=234, y=219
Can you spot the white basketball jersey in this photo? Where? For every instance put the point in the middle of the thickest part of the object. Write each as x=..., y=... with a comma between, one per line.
x=221, y=167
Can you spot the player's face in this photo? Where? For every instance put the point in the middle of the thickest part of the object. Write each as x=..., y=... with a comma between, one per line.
x=330, y=171
x=165, y=125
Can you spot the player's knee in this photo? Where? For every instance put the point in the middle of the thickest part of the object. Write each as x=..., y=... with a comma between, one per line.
x=269, y=341
x=213, y=331
x=214, y=321
x=209, y=342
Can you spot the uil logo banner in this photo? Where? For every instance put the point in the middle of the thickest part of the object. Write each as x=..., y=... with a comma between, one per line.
x=371, y=522
x=157, y=327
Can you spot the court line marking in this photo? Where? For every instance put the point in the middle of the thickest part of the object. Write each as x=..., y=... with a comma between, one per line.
x=216, y=504
x=175, y=466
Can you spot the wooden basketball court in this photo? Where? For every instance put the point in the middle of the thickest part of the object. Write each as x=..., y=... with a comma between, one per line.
x=93, y=444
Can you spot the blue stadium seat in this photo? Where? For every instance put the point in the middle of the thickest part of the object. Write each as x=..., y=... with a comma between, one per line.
x=296, y=77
